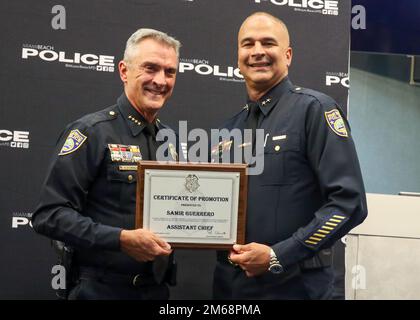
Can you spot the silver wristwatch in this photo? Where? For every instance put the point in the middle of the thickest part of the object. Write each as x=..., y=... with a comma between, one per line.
x=275, y=266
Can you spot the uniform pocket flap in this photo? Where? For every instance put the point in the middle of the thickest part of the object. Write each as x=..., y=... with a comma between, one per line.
x=115, y=173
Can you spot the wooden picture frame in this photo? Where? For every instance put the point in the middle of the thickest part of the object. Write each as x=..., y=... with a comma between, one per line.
x=153, y=176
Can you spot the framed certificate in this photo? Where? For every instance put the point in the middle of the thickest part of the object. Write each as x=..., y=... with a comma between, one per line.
x=193, y=205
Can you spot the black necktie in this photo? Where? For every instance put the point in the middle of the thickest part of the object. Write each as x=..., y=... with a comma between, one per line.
x=252, y=122
x=152, y=144
x=160, y=264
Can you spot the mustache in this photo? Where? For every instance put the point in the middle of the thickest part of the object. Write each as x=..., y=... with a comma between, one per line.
x=259, y=62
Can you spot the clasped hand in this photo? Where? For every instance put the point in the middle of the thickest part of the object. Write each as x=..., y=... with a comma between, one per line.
x=253, y=258
x=143, y=245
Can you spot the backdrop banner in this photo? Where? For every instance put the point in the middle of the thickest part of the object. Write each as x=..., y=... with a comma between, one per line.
x=59, y=62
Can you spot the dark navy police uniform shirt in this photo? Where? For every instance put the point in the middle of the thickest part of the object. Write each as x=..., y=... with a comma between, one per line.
x=89, y=194
x=311, y=191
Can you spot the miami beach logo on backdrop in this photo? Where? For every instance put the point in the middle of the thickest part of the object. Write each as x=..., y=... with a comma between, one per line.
x=337, y=78
x=14, y=139
x=75, y=60
x=21, y=219
x=204, y=68
x=327, y=7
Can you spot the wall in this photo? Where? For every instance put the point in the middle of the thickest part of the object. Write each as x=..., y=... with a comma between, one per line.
x=385, y=117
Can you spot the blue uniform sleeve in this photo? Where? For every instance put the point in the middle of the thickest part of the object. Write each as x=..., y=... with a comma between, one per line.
x=332, y=157
x=59, y=215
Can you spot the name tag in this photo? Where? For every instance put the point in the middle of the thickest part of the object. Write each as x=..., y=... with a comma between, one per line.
x=275, y=138
x=128, y=168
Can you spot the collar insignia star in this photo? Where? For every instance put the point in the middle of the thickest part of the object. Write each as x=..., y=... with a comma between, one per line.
x=266, y=101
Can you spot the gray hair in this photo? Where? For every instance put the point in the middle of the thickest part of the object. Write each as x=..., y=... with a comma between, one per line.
x=142, y=34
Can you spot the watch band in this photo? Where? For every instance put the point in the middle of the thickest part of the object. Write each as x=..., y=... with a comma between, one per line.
x=275, y=266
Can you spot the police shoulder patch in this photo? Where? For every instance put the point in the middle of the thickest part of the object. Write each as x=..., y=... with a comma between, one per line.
x=73, y=142
x=336, y=122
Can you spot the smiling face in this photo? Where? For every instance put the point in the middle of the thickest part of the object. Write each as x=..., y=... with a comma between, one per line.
x=264, y=54
x=149, y=76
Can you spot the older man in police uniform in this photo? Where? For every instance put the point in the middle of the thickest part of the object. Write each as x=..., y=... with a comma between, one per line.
x=310, y=193
x=88, y=199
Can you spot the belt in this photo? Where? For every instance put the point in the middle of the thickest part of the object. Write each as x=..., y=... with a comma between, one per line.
x=101, y=275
